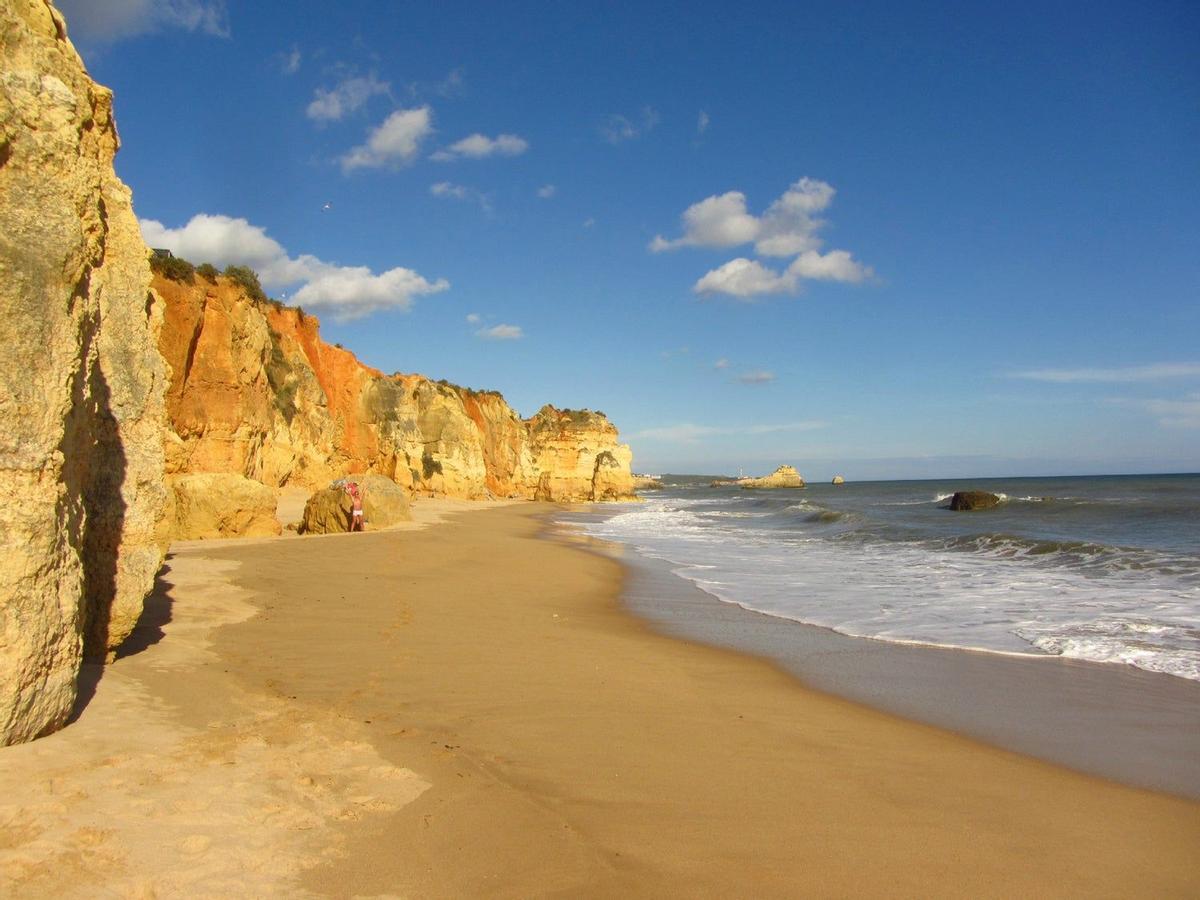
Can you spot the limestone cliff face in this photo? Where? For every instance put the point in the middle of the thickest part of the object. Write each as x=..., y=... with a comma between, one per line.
x=81, y=408
x=256, y=392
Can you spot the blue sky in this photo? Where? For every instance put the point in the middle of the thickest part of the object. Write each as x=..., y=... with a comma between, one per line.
x=882, y=239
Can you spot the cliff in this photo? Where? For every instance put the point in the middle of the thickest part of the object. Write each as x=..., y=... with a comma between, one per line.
x=256, y=392
x=81, y=410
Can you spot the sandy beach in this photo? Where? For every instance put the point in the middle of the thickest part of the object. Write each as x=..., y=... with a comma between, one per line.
x=467, y=709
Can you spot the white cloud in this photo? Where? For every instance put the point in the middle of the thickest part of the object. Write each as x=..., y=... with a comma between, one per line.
x=290, y=62
x=348, y=95
x=348, y=291
x=789, y=227
x=501, y=333
x=1171, y=413
x=719, y=221
x=454, y=191
x=756, y=376
x=721, y=363
x=448, y=189
x=117, y=19
x=744, y=278
x=478, y=146
x=474, y=318
x=112, y=20
x=589, y=222
x=1126, y=374
x=702, y=122
x=546, y=191
x=616, y=129
x=688, y=433
x=394, y=143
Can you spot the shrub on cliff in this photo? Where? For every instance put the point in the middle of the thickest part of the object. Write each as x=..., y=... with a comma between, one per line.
x=248, y=279
x=175, y=268
x=207, y=271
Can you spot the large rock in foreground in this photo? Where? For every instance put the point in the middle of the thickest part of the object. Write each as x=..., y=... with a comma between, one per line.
x=963, y=501
x=81, y=380
x=222, y=505
x=328, y=511
x=783, y=477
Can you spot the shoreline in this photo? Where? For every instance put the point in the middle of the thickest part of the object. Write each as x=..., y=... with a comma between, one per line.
x=471, y=709
x=1094, y=718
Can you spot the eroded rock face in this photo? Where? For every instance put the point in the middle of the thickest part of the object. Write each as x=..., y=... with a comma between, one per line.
x=328, y=511
x=783, y=477
x=222, y=505
x=255, y=391
x=81, y=406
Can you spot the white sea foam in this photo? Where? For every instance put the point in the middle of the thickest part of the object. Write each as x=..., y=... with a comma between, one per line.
x=977, y=593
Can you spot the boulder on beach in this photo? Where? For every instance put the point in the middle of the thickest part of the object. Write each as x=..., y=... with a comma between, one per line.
x=328, y=511
x=783, y=477
x=838, y=479
x=220, y=505
x=968, y=500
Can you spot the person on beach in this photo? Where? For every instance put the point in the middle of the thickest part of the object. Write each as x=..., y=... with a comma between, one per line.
x=356, y=507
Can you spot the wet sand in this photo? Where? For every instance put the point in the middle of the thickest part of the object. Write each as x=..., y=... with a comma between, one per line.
x=468, y=710
x=1119, y=722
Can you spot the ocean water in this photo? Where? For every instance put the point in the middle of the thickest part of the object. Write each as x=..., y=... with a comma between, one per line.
x=1098, y=568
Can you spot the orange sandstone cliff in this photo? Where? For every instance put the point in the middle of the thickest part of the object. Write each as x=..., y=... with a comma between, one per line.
x=256, y=392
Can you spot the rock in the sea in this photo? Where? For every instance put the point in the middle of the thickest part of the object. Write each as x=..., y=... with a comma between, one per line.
x=212, y=505
x=81, y=402
x=328, y=511
x=783, y=477
x=838, y=479
x=968, y=500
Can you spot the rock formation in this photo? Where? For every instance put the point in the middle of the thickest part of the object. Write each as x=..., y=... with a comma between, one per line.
x=838, y=479
x=783, y=477
x=328, y=511
x=256, y=392
x=647, y=482
x=968, y=500
x=224, y=504
x=81, y=409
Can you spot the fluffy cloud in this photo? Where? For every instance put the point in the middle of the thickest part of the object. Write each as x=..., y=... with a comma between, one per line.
x=721, y=363
x=1127, y=374
x=546, y=191
x=474, y=318
x=744, y=278
x=478, y=146
x=788, y=227
x=394, y=143
x=702, y=122
x=112, y=20
x=501, y=333
x=334, y=104
x=349, y=292
x=616, y=129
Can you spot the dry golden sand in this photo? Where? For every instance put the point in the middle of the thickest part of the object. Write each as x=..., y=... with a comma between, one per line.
x=466, y=710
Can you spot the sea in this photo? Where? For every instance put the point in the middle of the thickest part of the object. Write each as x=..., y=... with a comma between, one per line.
x=1105, y=569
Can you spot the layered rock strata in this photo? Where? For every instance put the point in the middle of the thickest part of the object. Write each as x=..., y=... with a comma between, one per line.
x=81, y=406
x=256, y=392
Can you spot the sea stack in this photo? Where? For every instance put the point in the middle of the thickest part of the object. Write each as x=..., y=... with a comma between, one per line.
x=783, y=477
x=838, y=479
